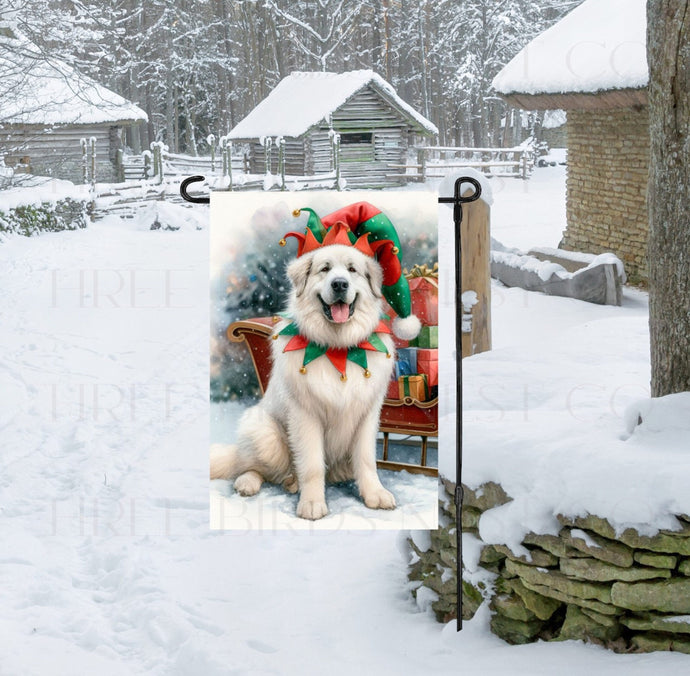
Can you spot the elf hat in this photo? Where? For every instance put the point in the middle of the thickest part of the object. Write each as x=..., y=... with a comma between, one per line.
x=366, y=228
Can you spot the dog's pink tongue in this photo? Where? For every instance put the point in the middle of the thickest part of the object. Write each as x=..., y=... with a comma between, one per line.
x=340, y=312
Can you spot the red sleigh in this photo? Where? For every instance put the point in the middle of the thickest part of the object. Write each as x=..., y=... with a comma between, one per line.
x=406, y=416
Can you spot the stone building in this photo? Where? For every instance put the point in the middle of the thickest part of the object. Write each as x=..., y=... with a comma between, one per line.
x=593, y=64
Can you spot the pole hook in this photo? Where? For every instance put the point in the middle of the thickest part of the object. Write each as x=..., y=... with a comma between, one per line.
x=189, y=198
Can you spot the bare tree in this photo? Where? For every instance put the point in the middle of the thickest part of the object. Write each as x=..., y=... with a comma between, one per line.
x=323, y=27
x=668, y=51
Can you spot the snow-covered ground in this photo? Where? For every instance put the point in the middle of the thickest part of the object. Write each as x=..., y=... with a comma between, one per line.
x=274, y=508
x=107, y=564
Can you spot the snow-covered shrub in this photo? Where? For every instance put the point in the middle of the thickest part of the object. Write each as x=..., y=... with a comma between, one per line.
x=34, y=219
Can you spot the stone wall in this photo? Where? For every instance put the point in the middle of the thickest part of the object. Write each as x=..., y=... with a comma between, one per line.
x=627, y=592
x=608, y=160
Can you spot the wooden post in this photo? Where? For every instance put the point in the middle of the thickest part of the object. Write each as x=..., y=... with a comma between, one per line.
x=227, y=160
x=223, y=154
x=120, y=165
x=212, y=142
x=157, y=149
x=154, y=158
x=281, y=160
x=421, y=160
x=476, y=276
x=335, y=147
x=268, y=142
x=84, y=161
x=158, y=160
x=92, y=148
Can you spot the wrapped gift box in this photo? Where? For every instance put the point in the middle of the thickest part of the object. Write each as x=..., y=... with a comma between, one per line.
x=402, y=368
x=424, y=296
x=427, y=363
x=423, y=283
x=407, y=358
x=427, y=338
x=416, y=386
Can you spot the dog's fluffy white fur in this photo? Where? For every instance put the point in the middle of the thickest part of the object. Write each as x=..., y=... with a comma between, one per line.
x=312, y=427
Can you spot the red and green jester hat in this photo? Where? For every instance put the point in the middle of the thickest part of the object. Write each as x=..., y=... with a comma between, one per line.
x=365, y=222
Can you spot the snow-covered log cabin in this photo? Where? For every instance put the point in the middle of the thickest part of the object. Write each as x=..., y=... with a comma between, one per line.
x=376, y=127
x=593, y=64
x=47, y=107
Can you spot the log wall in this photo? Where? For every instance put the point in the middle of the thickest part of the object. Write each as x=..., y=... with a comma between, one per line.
x=57, y=151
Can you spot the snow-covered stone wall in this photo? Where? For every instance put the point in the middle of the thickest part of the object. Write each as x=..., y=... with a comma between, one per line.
x=626, y=591
x=608, y=161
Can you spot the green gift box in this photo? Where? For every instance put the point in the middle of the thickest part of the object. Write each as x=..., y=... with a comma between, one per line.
x=416, y=386
x=427, y=338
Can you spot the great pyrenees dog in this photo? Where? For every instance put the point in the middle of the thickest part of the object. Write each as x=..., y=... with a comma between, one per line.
x=314, y=424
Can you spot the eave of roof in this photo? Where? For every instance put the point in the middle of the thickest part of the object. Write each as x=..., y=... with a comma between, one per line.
x=602, y=100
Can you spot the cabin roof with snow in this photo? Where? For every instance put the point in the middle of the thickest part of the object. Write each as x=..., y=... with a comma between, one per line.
x=593, y=58
x=302, y=100
x=37, y=89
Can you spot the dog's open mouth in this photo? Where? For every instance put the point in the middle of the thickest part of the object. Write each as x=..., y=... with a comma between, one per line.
x=338, y=312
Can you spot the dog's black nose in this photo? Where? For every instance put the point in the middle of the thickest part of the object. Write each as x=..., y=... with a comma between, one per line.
x=340, y=285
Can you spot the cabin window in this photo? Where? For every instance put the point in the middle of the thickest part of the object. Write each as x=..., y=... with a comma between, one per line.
x=356, y=138
x=356, y=146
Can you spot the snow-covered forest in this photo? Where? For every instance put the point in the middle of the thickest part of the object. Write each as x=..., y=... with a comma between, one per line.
x=199, y=66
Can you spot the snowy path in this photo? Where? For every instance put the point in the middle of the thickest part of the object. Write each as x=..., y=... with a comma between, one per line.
x=107, y=564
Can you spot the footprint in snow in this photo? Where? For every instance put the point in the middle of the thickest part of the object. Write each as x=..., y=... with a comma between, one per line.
x=261, y=647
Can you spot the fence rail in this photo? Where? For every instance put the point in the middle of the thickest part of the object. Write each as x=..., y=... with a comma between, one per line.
x=432, y=162
x=436, y=161
x=234, y=169
x=159, y=163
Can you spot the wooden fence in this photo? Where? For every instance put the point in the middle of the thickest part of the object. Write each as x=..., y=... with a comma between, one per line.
x=432, y=162
x=158, y=164
x=437, y=161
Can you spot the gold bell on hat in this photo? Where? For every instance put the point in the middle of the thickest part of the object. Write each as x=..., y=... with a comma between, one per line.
x=296, y=212
x=367, y=373
x=303, y=370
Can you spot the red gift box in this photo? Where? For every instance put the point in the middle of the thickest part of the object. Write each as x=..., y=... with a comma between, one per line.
x=424, y=296
x=423, y=283
x=427, y=363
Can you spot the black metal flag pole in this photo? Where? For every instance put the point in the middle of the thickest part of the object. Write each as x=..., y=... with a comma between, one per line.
x=457, y=200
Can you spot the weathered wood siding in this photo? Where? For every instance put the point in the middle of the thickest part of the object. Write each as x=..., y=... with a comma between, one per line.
x=57, y=151
x=366, y=112
x=294, y=157
x=608, y=163
x=363, y=165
